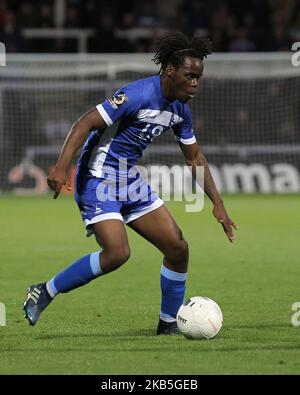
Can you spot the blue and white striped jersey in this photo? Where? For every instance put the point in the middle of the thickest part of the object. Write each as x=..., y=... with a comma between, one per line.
x=143, y=114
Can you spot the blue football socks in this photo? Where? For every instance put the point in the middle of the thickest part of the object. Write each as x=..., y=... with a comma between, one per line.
x=76, y=275
x=172, y=289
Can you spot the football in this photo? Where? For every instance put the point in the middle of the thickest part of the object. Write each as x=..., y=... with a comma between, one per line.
x=199, y=318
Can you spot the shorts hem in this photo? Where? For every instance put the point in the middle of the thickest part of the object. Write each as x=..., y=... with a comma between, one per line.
x=126, y=218
x=99, y=218
x=155, y=205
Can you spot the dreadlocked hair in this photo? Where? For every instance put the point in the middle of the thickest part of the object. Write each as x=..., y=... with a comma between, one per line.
x=172, y=48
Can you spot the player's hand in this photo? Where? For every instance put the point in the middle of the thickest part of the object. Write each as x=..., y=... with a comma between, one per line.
x=221, y=215
x=57, y=178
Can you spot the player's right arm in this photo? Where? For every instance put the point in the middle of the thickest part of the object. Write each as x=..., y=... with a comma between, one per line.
x=125, y=102
x=89, y=121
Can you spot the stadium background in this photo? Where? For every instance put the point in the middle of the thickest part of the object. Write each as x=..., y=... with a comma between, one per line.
x=246, y=117
x=131, y=26
x=64, y=57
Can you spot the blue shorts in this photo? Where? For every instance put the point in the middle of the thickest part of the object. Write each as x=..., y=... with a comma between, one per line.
x=99, y=199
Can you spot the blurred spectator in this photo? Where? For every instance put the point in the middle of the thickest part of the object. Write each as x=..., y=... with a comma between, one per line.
x=241, y=42
x=127, y=21
x=147, y=15
x=26, y=15
x=10, y=34
x=72, y=20
x=88, y=14
x=278, y=40
x=45, y=17
x=3, y=10
x=221, y=28
x=197, y=14
x=105, y=39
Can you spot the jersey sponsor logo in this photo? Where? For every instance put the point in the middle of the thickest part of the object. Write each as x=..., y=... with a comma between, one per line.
x=118, y=100
x=158, y=117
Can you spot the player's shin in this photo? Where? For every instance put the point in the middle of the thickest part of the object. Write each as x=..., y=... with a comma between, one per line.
x=172, y=288
x=76, y=275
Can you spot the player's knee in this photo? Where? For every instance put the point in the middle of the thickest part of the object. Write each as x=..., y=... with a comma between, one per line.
x=178, y=253
x=182, y=251
x=117, y=256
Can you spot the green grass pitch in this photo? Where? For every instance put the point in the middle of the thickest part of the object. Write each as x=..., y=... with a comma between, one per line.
x=108, y=326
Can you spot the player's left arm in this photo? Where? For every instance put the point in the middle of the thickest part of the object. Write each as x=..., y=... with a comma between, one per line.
x=194, y=158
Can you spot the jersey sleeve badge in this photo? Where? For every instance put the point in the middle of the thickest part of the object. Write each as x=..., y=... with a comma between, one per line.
x=118, y=100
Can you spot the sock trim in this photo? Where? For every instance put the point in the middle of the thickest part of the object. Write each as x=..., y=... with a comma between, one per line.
x=51, y=288
x=166, y=317
x=171, y=275
x=95, y=263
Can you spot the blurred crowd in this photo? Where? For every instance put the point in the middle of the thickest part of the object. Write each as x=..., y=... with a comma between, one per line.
x=133, y=25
